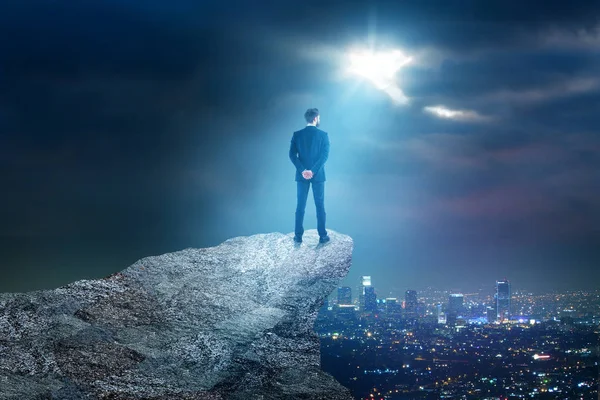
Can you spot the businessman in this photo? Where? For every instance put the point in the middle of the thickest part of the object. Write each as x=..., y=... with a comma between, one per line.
x=309, y=149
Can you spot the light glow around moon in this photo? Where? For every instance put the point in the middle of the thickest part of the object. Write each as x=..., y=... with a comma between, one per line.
x=380, y=68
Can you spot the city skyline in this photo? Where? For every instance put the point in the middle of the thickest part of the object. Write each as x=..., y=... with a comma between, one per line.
x=389, y=355
x=489, y=288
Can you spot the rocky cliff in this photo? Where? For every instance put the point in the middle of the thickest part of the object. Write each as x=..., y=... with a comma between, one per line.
x=234, y=321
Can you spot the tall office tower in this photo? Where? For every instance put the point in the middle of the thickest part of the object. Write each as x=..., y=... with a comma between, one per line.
x=503, y=299
x=365, y=281
x=455, y=302
x=494, y=309
x=441, y=315
x=370, y=299
x=455, y=307
x=410, y=303
x=344, y=295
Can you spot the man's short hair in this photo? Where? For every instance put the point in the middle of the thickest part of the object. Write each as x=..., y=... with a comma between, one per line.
x=311, y=114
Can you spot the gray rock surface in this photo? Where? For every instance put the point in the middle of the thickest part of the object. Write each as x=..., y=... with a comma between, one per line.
x=234, y=321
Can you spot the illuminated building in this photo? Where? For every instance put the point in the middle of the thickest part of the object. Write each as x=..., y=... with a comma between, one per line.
x=365, y=281
x=441, y=315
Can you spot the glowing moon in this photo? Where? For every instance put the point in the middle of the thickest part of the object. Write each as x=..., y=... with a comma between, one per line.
x=379, y=68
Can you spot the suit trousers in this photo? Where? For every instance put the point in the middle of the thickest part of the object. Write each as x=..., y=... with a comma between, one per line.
x=318, y=189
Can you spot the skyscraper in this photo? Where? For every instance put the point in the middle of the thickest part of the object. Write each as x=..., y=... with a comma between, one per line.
x=410, y=304
x=344, y=295
x=455, y=302
x=455, y=307
x=365, y=281
x=441, y=315
x=370, y=299
x=503, y=299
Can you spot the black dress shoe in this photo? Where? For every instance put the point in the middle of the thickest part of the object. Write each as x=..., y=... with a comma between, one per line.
x=324, y=239
x=297, y=239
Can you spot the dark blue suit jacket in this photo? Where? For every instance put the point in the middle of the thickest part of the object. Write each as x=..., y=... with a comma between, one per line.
x=309, y=149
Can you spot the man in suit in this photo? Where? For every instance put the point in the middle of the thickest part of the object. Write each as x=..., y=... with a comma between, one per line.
x=309, y=149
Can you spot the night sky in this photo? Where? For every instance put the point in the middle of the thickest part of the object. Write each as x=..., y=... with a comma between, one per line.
x=135, y=128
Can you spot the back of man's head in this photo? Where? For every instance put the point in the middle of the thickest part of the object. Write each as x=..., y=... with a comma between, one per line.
x=311, y=114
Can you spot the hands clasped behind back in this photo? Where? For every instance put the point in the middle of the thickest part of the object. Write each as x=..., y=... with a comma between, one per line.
x=307, y=174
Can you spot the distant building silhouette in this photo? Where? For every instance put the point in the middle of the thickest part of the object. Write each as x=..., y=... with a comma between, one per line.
x=503, y=295
x=392, y=308
x=410, y=304
x=365, y=281
x=441, y=315
x=344, y=295
x=346, y=311
x=492, y=314
x=370, y=299
x=455, y=307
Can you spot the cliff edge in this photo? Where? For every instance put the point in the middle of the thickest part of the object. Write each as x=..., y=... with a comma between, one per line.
x=234, y=321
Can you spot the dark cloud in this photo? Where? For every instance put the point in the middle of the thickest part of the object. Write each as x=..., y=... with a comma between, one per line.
x=450, y=25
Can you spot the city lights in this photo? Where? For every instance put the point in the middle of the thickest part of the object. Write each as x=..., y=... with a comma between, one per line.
x=402, y=348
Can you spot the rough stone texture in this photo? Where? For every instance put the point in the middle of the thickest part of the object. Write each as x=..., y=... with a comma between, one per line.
x=234, y=321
